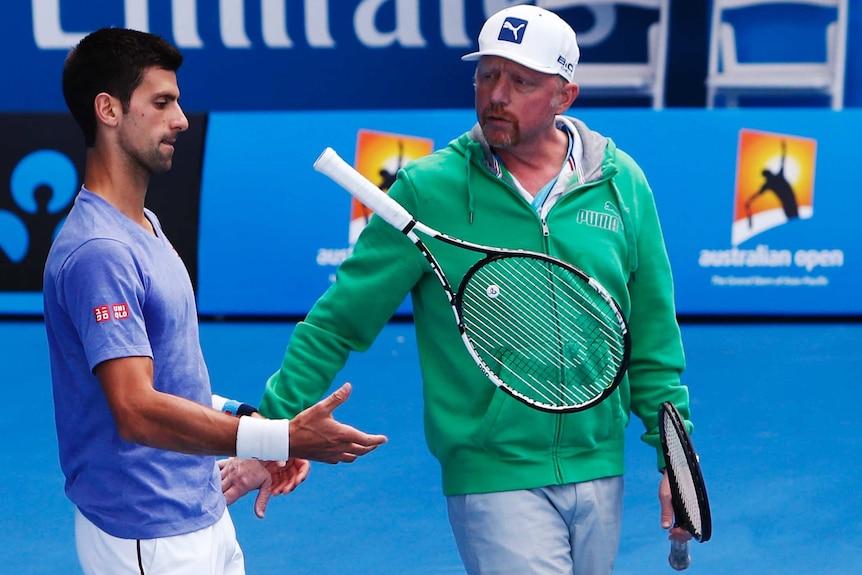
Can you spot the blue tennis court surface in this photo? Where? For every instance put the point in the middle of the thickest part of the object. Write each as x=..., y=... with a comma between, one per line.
x=777, y=427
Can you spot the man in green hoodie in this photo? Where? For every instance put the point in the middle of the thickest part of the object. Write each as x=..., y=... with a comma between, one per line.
x=527, y=491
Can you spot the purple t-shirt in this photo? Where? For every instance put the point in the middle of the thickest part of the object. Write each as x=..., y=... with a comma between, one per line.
x=113, y=290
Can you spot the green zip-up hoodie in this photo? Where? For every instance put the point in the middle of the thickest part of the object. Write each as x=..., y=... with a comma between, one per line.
x=484, y=439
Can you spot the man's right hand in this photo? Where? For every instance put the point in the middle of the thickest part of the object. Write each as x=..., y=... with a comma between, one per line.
x=316, y=435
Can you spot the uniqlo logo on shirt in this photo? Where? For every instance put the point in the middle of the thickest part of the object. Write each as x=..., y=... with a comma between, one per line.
x=102, y=313
x=121, y=311
x=114, y=311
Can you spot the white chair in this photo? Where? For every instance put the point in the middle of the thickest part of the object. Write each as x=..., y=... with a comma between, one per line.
x=631, y=79
x=730, y=78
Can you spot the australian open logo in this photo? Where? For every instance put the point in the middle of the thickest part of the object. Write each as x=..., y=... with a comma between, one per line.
x=512, y=30
x=774, y=182
x=34, y=201
x=774, y=187
x=379, y=157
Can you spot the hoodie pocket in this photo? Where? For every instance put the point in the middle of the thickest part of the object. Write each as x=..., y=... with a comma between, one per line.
x=513, y=430
x=508, y=427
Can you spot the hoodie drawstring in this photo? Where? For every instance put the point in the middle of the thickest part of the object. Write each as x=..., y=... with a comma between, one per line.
x=468, y=155
x=628, y=229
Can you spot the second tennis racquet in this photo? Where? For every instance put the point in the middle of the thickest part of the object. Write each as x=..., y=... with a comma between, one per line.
x=688, y=492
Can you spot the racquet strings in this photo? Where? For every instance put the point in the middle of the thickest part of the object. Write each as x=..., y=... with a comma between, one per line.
x=543, y=330
x=680, y=470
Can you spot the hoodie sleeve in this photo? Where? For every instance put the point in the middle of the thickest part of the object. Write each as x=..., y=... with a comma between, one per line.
x=369, y=287
x=657, y=359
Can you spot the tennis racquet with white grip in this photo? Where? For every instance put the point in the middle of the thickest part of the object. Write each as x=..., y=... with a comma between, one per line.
x=688, y=491
x=539, y=328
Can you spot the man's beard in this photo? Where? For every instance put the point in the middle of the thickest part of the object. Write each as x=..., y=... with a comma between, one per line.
x=498, y=138
x=152, y=160
x=156, y=162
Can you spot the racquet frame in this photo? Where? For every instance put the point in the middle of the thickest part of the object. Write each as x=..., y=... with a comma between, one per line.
x=679, y=556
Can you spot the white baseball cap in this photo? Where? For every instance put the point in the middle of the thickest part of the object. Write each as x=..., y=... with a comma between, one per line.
x=531, y=36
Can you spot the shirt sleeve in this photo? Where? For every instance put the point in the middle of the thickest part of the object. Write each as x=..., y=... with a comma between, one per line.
x=103, y=292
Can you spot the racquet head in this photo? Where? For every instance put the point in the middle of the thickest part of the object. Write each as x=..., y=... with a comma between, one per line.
x=688, y=491
x=543, y=331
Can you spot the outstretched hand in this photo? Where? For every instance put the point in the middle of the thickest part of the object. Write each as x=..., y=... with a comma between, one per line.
x=316, y=435
x=665, y=499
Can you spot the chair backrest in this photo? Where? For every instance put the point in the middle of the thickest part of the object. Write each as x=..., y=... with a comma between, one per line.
x=727, y=74
x=612, y=79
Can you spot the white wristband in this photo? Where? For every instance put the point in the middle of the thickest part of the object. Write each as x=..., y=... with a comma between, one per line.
x=267, y=439
x=218, y=402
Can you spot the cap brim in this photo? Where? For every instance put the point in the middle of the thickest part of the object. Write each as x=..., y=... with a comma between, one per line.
x=509, y=56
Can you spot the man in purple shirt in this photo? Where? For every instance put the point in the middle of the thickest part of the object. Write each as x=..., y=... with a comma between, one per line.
x=137, y=430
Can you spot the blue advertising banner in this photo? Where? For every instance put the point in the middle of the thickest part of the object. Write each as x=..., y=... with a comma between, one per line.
x=280, y=54
x=351, y=54
x=273, y=230
x=758, y=211
x=757, y=207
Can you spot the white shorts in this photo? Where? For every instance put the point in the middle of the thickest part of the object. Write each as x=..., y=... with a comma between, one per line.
x=213, y=550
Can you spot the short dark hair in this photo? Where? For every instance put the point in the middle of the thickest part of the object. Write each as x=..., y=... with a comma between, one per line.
x=111, y=60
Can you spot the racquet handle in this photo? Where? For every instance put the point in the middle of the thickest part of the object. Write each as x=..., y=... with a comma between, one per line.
x=330, y=164
x=679, y=557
